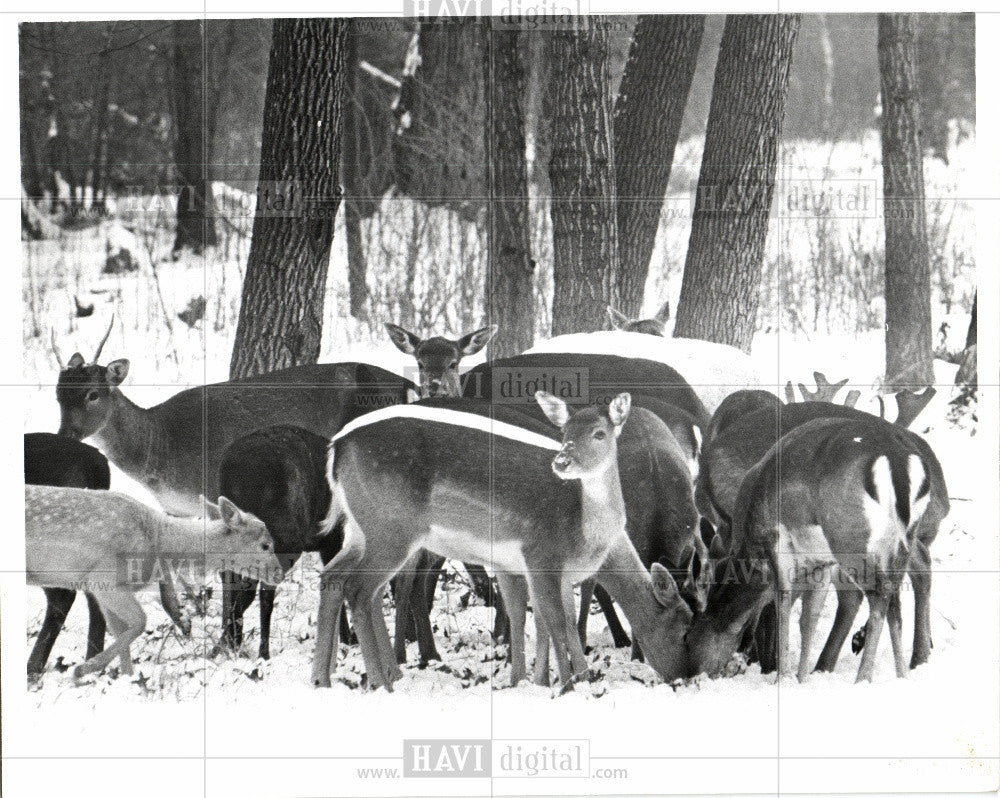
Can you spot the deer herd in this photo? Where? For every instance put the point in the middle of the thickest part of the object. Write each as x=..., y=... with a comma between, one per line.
x=687, y=495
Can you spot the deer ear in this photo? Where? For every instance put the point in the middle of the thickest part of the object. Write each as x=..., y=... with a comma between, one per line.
x=555, y=409
x=405, y=341
x=76, y=361
x=663, y=314
x=211, y=510
x=618, y=320
x=117, y=371
x=664, y=587
x=231, y=514
x=619, y=409
x=474, y=341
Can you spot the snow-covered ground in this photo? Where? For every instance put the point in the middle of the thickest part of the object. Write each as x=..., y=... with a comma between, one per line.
x=935, y=731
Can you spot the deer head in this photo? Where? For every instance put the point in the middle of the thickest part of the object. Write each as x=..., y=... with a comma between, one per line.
x=438, y=357
x=653, y=326
x=589, y=436
x=86, y=392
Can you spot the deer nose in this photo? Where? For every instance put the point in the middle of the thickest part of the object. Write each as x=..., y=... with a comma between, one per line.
x=563, y=459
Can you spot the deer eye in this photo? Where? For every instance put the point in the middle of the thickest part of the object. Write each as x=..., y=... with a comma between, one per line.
x=265, y=546
x=454, y=364
x=92, y=396
x=600, y=435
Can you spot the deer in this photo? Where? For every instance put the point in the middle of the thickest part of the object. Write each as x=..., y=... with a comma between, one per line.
x=655, y=326
x=174, y=449
x=110, y=545
x=438, y=357
x=58, y=461
x=713, y=370
x=481, y=489
x=835, y=495
x=279, y=475
x=739, y=442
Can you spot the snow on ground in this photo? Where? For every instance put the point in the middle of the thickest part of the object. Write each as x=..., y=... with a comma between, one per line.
x=936, y=730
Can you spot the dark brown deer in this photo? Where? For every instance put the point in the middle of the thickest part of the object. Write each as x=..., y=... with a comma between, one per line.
x=654, y=326
x=483, y=490
x=175, y=448
x=843, y=497
x=82, y=539
x=279, y=475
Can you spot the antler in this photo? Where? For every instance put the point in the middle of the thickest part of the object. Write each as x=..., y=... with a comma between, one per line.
x=825, y=390
x=55, y=349
x=104, y=340
x=911, y=404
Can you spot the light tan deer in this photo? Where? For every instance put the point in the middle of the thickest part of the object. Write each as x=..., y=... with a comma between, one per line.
x=111, y=545
x=483, y=490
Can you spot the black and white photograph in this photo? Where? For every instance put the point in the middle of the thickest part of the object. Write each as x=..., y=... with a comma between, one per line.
x=445, y=398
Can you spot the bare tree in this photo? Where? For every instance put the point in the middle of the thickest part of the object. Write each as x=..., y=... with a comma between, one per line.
x=195, y=221
x=510, y=270
x=908, y=337
x=721, y=285
x=647, y=122
x=281, y=317
x=582, y=174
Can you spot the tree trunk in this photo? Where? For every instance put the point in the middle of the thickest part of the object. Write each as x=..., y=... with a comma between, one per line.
x=582, y=174
x=722, y=273
x=510, y=297
x=100, y=132
x=195, y=221
x=281, y=317
x=355, y=138
x=972, y=334
x=647, y=122
x=908, y=345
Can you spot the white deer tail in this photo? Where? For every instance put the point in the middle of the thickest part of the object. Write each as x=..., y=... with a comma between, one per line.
x=898, y=492
x=336, y=510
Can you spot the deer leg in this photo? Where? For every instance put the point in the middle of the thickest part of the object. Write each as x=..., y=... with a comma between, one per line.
x=118, y=627
x=124, y=609
x=813, y=599
x=849, y=600
x=618, y=633
x=877, y=604
x=576, y=655
x=172, y=606
x=57, y=605
x=228, y=638
x=546, y=591
x=515, y=592
x=267, y=596
x=406, y=614
x=586, y=597
x=361, y=612
x=421, y=602
x=390, y=667
x=331, y=600
x=540, y=672
x=783, y=606
x=895, y=619
x=920, y=578
x=97, y=628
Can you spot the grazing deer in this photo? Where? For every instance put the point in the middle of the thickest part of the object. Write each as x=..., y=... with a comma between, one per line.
x=844, y=495
x=279, y=475
x=175, y=448
x=654, y=326
x=438, y=357
x=58, y=461
x=484, y=490
x=110, y=545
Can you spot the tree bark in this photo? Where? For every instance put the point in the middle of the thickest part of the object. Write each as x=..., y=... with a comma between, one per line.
x=510, y=297
x=195, y=220
x=582, y=175
x=722, y=272
x=281, y=316
x=647, y=122
x=908, y=337
x=353, y=178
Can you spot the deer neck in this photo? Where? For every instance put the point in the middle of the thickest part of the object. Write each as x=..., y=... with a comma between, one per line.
x=601, y=502
x=190, y=538
x=129, y=437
